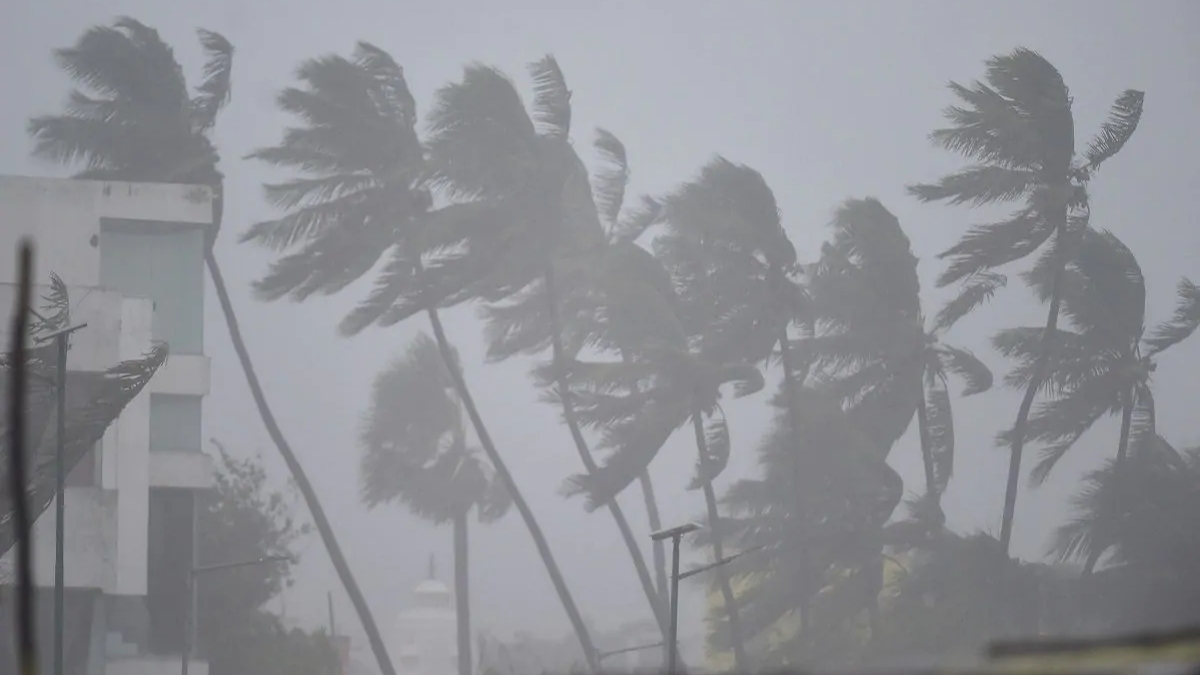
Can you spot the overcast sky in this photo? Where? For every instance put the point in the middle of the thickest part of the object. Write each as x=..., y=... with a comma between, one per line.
x=829, y=100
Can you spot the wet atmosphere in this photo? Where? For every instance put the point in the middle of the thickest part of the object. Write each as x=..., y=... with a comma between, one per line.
x=373, y=338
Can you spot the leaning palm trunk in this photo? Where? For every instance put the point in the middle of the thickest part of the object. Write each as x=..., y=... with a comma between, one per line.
x=589, y=463
x=462, y=592
x=926, y=449
x=790, y=382
x=1119, y=469
x=324, y=528
x=714, y=525
x=539, y=537
x=1040, y=368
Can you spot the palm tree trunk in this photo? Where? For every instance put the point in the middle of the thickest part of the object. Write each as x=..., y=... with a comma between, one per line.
x=926, y=451
x=324, y=528
x=1035, y=382
x=714, y=525
x=659, y=551
x=793, y=413
x=658, y=548
x=539, y=537
x=589, y=463
x=1098, y=548
x=462, y=593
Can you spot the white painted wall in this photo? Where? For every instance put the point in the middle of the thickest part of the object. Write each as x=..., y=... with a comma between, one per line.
x=64, y=218
x=107, y=527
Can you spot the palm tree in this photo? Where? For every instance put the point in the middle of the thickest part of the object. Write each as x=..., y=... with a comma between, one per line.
x=415, y=452
x=139, y=123
x=829, y=540
x=1018, y=129
x=1143, y=513
x=537, y=215
x=872, y=350
x=361, y=194
x=1104, y=366
x=640, y=402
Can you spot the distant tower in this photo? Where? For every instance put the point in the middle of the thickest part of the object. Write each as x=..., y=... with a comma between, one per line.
x=424, y=634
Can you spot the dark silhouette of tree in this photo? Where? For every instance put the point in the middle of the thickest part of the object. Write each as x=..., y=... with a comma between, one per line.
x=416, y=452
x=1019, y=130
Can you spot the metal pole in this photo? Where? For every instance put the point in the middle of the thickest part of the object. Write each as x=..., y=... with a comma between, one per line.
x=672, y=638
x=187, y=623
x=60, y=508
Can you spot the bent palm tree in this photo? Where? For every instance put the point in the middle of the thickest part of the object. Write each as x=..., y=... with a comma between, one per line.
x=871, y=349
x=1104, y=366
x=415, y=452
x=1019, y=130
x=139, y=123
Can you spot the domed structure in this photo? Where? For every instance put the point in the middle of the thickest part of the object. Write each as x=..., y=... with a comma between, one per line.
x=423, y=639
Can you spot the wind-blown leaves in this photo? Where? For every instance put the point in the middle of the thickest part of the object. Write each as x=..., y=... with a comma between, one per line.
x=608, y=184
x=976, y=290
x=214, y=92
x=975, y=374
x=1182, y=325
x=415, y=448
x=1116, y=131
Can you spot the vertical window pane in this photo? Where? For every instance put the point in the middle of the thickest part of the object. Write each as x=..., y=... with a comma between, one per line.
x=175, y=422
x=166, y=266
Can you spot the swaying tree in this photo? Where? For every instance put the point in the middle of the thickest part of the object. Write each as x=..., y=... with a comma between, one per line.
x=1019, y=130
x=1104, y=366
x=416, y=452
x=362, y=194
x=135, y=120
x=871, y=349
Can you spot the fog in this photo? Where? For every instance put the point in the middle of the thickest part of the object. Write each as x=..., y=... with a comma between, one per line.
x=828, y=101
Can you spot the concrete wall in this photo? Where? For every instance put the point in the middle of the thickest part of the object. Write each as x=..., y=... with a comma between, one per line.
x=64, y=216
x=107, y=525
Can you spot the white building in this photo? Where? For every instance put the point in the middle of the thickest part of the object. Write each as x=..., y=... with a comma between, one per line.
x=424, y=636
x=131, y=256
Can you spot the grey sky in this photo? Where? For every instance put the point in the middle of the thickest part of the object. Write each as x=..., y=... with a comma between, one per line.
x=828, y=100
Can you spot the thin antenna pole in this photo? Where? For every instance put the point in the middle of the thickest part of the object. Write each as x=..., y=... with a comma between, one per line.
x=332, y=624
x=26, y=650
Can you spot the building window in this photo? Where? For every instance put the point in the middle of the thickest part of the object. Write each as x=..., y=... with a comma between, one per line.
x=163, y=263
x=175, y=422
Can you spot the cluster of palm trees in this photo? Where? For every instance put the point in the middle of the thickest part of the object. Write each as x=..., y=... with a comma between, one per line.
x=644, y=313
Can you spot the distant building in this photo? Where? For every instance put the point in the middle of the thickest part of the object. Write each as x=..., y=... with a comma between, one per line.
x=424, y=636
x=131, y=256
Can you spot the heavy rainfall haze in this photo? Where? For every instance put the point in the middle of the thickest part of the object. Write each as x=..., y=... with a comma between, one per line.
x=828, y=100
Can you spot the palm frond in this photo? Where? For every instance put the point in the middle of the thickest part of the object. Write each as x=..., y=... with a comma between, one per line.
x=978, y=186
x=966, y=365
x=1116, y=131
x=1181, y=326
x=609, y=182
x=214, y=92
x=976, y=289
x=941, y=433
x=551, y=98
x=636, y=221
x=715, y=453
x=1060, y=423
x=986, y=247
x=478, y=131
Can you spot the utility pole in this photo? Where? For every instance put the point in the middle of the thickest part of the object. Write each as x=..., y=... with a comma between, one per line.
x=61, y=339
x=675, y=534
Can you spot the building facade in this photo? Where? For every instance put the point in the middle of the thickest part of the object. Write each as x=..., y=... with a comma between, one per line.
x=424, y=636
x=132, y=258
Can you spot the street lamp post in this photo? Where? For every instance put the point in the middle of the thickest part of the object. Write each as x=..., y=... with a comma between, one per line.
x=675, y=534
x=61, y=338
x=191, y=593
